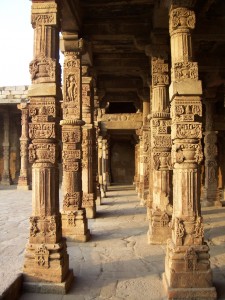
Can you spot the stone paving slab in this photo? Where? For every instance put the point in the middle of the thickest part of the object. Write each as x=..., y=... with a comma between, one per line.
x=117, y=263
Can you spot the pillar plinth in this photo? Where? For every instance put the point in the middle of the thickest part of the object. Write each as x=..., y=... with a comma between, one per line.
x=46, y=264
x=187, y=266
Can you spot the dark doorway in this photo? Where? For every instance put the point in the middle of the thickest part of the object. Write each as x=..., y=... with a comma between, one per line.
x=122, y=162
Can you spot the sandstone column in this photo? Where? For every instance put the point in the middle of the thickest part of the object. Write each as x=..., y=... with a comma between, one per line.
x=105, y=157
x=88, y=201
x=74, y=221
x=46, y=266
x=95, y=148
x=187, y=267
x=144, y=152
x=100, y=166
x=136, y=165
x=6, y=178
x=138, y=149
x=211, y=192
x=161, y=206
x=23, y=182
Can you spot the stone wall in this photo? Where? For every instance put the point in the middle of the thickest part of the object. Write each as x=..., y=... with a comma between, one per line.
x=122, y=162
x=13, y=94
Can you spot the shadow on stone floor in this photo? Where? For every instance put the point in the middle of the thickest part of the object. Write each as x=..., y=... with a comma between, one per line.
x=115, y=202
x=118, y=213
x=120, y=188
x=115, y=234
x=215, y=232
x=213, y=211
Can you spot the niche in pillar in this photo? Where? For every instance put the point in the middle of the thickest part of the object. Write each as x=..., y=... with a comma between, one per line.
x=122, y=162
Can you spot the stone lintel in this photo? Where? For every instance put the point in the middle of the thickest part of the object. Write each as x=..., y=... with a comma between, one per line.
x=186, y=87
x=49, y=287
x=88, y=126
x=86, y=79
x=121, y=125
x=42, y=89
x=71, y=43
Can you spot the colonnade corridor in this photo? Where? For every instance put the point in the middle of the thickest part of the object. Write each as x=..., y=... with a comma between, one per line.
x=117, y=263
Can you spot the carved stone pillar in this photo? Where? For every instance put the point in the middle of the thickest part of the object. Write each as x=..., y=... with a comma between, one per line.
x=161, y=206
x=88, y=201
x=95, y=150
x=6, y=177
x=144, y=153
x=100, y=166
x=211, y=192
x=136, y=166
x=138, y=149
x=187, y=267
x=105, y=157
x=74, y=221
x=24, y=182
x=46, y=259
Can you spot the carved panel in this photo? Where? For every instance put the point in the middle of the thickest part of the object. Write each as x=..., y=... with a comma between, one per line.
x=182, y=18
x=42, y=257
x=184, y=70
x=187, y=130
x=42, y=130
x=43, y=69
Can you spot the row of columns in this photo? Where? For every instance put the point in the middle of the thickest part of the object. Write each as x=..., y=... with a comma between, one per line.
x=175, y=128
x=187, y=263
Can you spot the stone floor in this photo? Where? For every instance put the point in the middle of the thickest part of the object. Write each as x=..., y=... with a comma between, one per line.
x=117, y=263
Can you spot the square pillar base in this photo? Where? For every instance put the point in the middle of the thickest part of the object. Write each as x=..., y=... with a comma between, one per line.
x=159, y=235
x=49, y=287
x=189, y=293
x=75, y=226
